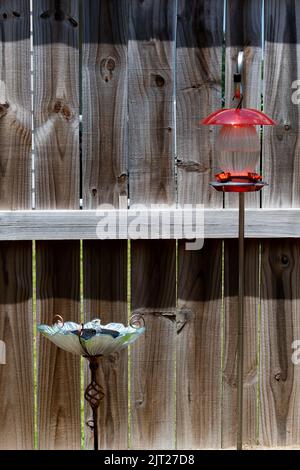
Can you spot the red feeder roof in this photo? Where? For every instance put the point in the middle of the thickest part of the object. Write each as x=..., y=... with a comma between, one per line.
x=238, y=117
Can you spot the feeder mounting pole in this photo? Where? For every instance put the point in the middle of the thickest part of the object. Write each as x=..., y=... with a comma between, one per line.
x=240, y=344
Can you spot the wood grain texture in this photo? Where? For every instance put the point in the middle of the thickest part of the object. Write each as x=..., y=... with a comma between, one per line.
x=153, y=289
x=251, y=306
x=56, y=105
x=16, y=322
x=82, y=224
x=105, y=297
x=281, y=65
x=198, y=93
x=151, y=54
x=15, y=106
x=280, y=327
x=56, y=120
x=16, y=377
x=105, y=37
x=198, y=421
x=58, y=372
x=244, y=32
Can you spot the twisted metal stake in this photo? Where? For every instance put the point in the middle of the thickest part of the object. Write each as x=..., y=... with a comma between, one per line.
x=93, y=395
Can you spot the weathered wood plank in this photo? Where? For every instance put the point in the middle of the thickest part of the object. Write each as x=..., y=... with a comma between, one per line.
x=198, y=92
x=279, y=415
x=280, y=327
x=16, y=321
x=153, y=288
x=15, y=106
x=105, y=37
x=56, y=120
x=243, y=32
x=229, y=402
x=58, y=372
x=281, y=64
x=16, y=376
x=151, y=101
x=198, y=423
x=74, y=225
x=105, y=297
x=56, y=104
x=151, y=54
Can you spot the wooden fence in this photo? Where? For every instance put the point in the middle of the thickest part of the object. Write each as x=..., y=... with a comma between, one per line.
x=142, y=73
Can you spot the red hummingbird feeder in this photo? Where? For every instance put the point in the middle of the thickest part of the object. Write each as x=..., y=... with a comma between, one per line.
x=238, y=144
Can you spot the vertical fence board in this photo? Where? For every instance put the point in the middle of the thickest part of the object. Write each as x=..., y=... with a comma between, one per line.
x=151, y=97
x=199, y=68
x=281, y=68
x=15, y=106
x=105, y=35
x=198, y=93
x=152, y=381
x=56, y=106
x=105, y=292
x=105, y=31
x=16, y=377
x=199, y=347
x=279, y=378
x=280, y=327
x=56, y=119
x=151, y=50
x=58, y=372
x=229, y=403
x=243, y=32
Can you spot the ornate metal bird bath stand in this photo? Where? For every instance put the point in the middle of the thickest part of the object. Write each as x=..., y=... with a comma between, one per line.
x=93, y=341
x=93, y=395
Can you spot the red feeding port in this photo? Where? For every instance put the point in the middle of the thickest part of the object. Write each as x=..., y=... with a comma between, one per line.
x=237, y=182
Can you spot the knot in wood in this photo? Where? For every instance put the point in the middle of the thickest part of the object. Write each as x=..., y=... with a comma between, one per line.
x=284, y=260
x=110, y=64
x=122, y=178
x=63, y=109
x=107, y=67
x=114, y=359
x=3, y=109
x=159, y=80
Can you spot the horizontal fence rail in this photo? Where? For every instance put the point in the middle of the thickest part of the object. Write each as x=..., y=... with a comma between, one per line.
x=147, y=224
